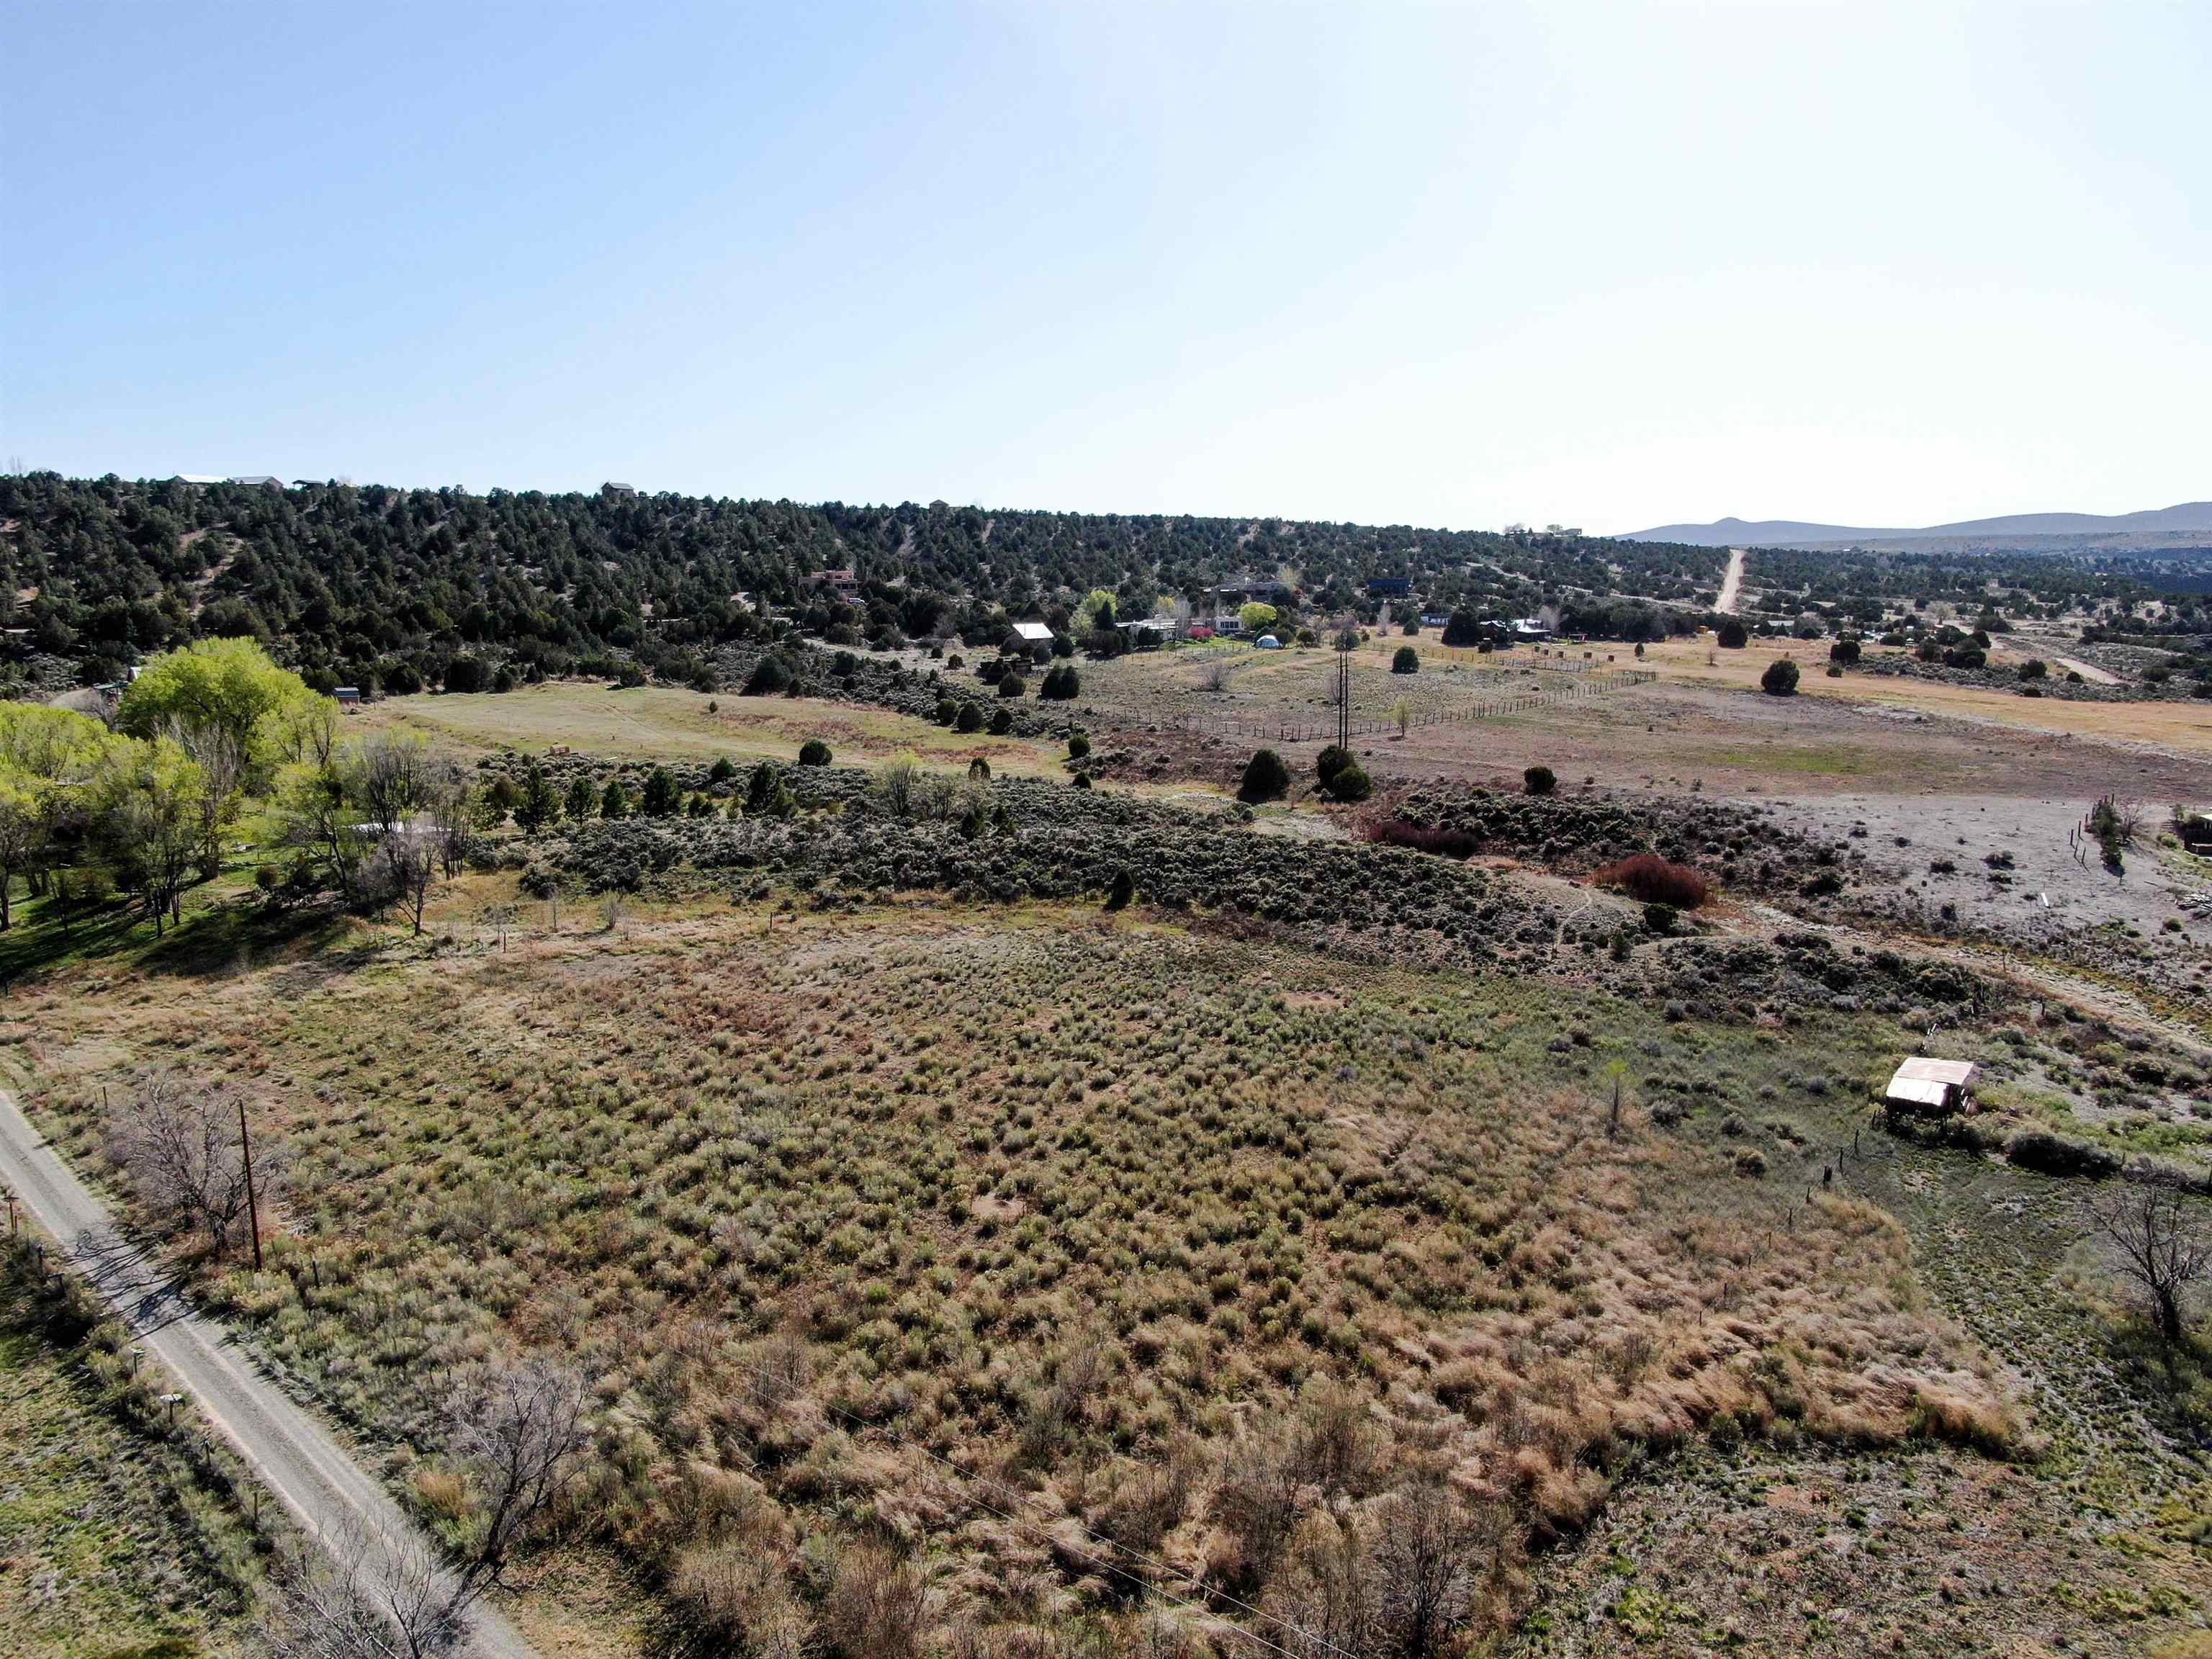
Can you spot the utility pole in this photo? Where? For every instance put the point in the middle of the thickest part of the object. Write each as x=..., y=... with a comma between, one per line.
x=253, y=1205
x=1346, y=640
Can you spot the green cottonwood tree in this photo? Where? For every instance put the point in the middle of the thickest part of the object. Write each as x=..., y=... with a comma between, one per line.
x=151, y=800
x=236, y=713
x=46, y=756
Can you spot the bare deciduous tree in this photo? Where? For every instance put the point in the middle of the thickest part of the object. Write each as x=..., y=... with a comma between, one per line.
x=368, y=1598
x=449, y=802
x=179, y=1146
x=518, y=1433
x=2161, y=1245
x=1429, y=1561
x=220, y=755
x=1321, y=1601
x=387, y=776
x=413, y=859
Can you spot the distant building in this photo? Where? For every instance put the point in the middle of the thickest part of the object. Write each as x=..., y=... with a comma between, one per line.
x=612, y=489
x=843, y=583
x=1035, y=637
x=261, y=480
x=1268, y=642
x=349, y=697
x=1148, y=630
x=196, y=478
x=1230, y=623
x=1389, y=586
x=1266, y=592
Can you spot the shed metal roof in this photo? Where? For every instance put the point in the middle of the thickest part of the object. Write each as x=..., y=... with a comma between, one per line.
x=1921, y=1069
x=1924, y=1092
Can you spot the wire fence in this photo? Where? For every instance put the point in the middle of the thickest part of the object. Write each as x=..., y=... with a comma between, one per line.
x=1580, y=687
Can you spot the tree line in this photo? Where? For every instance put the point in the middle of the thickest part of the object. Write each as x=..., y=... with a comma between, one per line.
x=394, y=590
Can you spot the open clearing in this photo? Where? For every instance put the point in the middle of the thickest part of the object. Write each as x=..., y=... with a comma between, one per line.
x=928, y=1147
x=662, y=722
x=918, y=1231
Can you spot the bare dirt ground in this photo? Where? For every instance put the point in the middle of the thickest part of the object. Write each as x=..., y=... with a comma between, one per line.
x=2178, y=725
x=1677, y=735
x=2045, y=889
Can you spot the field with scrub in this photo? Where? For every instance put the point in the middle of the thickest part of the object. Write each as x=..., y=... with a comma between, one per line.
x=1097, y=1281
x=999, y=1218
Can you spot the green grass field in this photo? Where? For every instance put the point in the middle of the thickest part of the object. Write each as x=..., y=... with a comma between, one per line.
x=103, y=1550
x=661, y=721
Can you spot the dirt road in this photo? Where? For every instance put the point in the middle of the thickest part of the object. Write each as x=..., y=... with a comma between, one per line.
x=1731, y=584
x=294, y=1456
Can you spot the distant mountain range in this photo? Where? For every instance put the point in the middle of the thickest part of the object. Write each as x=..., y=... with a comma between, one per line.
x=2189, y=517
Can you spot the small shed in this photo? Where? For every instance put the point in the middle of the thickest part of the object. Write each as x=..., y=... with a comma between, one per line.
x=1035, y=637
x=349, y=696
x=1931, y=1087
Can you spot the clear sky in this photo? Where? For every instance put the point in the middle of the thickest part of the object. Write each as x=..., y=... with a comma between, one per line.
x=1438, y=265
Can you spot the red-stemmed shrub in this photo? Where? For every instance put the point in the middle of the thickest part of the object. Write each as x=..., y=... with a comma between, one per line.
x=1656, y=880
x=1444, y=841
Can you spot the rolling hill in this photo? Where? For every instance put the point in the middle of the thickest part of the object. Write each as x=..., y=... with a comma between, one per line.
x=2187, y=519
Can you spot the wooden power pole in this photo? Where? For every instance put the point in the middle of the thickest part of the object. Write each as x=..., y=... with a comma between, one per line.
x=1345, y=640
x=252, y=1205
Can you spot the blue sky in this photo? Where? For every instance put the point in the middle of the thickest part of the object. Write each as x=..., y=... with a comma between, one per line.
x=1441, y=265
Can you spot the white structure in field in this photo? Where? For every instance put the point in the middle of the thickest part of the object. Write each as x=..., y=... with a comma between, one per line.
x=1922, y=1084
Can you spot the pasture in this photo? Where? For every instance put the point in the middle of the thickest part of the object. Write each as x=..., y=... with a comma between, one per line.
x=1075, y=1203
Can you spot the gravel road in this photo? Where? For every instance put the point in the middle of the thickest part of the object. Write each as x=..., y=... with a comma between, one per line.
x=1731, y=584
x=294, y=1456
